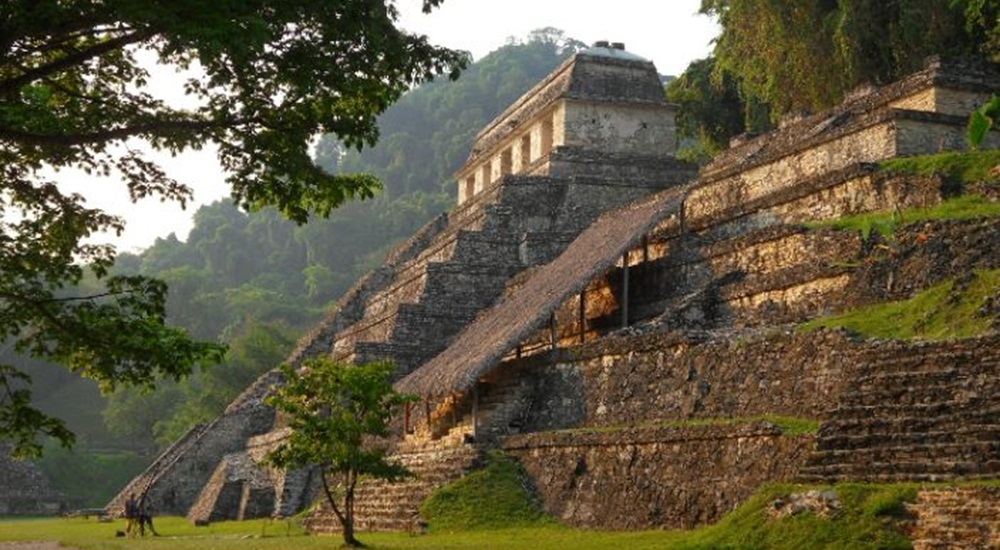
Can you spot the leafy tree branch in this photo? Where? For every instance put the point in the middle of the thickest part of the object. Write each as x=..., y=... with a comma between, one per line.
x=269, y=77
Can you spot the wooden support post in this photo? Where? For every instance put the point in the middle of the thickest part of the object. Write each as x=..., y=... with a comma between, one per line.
x=475, y=411
x=625, y=289
x=453, y=402
x=583, y=315
x=645, y=248
x=683, y=218
x=552, y=331
x=406, y=419
x=427, y=413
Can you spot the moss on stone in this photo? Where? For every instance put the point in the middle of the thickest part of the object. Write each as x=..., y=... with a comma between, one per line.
x=956, y=308
x=961, y=168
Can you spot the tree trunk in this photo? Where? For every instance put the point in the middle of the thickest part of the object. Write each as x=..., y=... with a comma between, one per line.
x=348, y=519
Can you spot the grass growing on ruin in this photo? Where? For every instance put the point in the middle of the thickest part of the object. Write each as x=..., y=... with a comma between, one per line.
x=789, y=425
x=951, y=309
x=964, y=207
x=961, y=168
x=495, y=497
x=863, y=520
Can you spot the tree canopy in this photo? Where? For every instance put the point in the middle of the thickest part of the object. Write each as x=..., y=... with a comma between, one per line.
x=268, y=77
x=256, y=281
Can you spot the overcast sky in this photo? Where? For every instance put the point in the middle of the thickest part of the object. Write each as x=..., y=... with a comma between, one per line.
x=668, y=32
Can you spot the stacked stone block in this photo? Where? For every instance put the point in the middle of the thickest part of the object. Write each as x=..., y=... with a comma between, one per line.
x=927, y=412
x=966, y=518
x=671, y=477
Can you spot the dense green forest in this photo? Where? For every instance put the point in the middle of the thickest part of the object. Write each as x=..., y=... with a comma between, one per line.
x=257, y=281
x=775, y=57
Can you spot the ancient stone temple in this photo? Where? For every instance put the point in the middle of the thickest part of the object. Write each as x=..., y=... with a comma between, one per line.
x=539, y=174
x=590, y=294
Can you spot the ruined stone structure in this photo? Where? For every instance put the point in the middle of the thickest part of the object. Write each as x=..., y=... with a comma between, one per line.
x=434, y=285
x=588, y=280
x=24, y=490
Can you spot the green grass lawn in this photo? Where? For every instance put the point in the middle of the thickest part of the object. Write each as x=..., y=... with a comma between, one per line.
x=865, y=521
x=178, y=534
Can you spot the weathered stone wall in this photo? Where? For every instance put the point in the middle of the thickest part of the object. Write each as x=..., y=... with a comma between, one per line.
x=966, y=518
x=891, y=411
x=625, y=128
x=872, y=142
x=660, y=377
x=663, y=477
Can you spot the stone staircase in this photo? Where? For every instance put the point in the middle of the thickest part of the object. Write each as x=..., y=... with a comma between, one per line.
x=384, y=506
x=502, y=406
x=952, y=518
x=141, y=483
x=447, y=455
x=435, y=293
x=925, y=415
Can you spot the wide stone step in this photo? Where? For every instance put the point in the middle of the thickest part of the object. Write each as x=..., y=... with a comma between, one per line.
x=406, y=355
x=922, y=391
x=384, y=506
x=898, y=471
x=931, y=454
x=880, y=375
x=909, y=437
x=905, y=379
x=491, y=247
x=887, y=362
x=875, y=421
x=981, y=403
x=467, y=280
x=426, y=324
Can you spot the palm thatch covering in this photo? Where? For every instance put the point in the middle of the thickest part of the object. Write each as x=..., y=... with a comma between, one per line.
x=478, y=349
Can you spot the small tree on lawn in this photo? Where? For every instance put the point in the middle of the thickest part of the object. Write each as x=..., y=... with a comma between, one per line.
x=337, y=412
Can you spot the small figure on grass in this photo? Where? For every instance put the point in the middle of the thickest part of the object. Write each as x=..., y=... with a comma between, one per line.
x=131, y=515
x=337, y=413
x=145, y=517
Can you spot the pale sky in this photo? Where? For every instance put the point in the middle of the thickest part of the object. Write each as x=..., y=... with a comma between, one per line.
x=668, y=32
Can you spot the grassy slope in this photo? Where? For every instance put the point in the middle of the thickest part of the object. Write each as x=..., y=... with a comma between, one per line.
x=948, y=310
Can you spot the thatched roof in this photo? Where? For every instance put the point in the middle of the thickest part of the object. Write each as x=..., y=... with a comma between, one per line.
x=478, y=349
